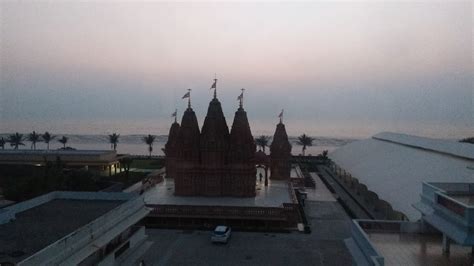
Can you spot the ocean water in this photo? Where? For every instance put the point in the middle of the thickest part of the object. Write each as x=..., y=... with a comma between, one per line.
x=133, y=144
x=92, y=133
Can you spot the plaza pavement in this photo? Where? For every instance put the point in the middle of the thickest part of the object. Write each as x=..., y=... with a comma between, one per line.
x=324, y=246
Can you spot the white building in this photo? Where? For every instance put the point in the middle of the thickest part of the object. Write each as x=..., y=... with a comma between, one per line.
x=73, y=228
x=394, y=166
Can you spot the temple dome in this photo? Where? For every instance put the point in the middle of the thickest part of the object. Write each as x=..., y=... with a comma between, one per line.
x=214, y=140
x=242, y=144
x=188, y=137
x=280, y=145
x=173, y=140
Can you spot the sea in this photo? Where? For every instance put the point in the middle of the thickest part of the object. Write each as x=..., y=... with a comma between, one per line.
x=92, y=134
x=134, y=145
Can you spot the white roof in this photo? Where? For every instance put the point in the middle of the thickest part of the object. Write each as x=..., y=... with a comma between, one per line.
x=450, y=147
x=395, y=165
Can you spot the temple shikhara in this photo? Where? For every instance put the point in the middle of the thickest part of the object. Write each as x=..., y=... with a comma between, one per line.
x=215, y=162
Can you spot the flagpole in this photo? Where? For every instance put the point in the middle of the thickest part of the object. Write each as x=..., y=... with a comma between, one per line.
x=189, y=99
x=215, y=88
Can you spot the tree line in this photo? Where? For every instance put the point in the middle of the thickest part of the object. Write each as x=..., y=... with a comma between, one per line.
x=16, y=140
x=303, y=140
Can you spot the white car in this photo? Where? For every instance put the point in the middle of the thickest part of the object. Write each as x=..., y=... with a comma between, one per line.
x=221, y=234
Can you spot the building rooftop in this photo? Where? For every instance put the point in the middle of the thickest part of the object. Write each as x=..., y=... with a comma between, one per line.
x=417, y=249
x=394, y=166
x=30, y=226
x=68, y=156
x=449, y=147
x=402, y=243
x=274, y=195
x=56, y=152
x=38, y=227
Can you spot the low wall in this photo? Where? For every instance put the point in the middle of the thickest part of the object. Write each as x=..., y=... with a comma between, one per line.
x=364, y=244
x=288, y=214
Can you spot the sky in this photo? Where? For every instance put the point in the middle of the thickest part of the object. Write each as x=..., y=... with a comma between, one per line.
x=337, y=68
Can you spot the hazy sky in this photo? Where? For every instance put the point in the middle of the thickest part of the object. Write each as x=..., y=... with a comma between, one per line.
x=337, y=68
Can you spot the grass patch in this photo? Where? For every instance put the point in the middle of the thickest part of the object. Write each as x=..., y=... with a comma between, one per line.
x=147, y=163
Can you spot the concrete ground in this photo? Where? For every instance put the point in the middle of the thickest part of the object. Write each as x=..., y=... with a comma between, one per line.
x=324, y=246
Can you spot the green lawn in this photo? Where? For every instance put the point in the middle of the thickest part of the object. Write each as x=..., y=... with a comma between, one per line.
x=147, y=163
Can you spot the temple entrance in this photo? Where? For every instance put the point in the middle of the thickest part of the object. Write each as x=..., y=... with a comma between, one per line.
x=262, y=164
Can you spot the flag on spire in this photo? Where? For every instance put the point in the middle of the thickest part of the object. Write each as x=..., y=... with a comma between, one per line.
x=240, y=97
x=188, y=95
x=214, y=86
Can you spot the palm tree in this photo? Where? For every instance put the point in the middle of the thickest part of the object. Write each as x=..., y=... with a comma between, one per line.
x=2, y=143
x=262, y=142
x=33, y=138
x=63, y=140
x=16, y=140
x=305, y=141
x=325, y=154
x=47, y=138
x=149, y=141
x=113, y=139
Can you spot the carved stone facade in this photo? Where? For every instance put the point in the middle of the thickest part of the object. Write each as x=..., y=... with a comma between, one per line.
x=213, y=162
x=280, y=154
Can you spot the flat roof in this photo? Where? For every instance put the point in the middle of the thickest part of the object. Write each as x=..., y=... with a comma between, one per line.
x=55, y=152
x=40, y=226
x=417, y=249
x=451, y=147
x=274, y=195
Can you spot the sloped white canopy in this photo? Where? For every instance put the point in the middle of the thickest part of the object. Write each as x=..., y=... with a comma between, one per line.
x=395, y=165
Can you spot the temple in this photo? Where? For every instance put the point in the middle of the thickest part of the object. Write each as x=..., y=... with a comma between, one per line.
x=280, y=153
x=213, y=161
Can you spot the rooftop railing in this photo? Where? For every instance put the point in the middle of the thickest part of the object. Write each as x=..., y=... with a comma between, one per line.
x=218, y=211
x=442, y=196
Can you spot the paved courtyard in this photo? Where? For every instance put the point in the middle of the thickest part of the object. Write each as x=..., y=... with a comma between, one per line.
x=324, y=246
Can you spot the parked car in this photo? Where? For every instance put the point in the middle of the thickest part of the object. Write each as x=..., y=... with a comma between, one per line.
x=221, y=234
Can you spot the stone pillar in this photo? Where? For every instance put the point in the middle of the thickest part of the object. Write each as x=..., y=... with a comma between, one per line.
x=446, y=244
x=266, y=176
